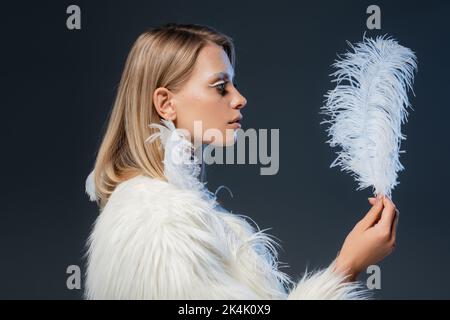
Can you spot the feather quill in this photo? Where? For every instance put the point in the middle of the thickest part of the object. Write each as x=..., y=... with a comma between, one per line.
x=367, y=108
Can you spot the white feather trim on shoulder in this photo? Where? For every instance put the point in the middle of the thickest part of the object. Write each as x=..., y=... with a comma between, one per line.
x=90, y=187
x=181, y=166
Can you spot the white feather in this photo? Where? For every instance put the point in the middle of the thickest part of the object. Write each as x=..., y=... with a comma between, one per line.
x=181, y=166
x=90, y=187
x=367, y=108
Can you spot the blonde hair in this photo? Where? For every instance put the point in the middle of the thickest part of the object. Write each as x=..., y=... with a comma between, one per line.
x=161, y=57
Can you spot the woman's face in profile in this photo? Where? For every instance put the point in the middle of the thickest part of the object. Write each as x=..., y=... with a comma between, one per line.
x=210, y=96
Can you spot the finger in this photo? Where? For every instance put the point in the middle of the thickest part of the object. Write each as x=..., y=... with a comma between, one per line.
x=372, y=201
x=387, y=215
x=373, y=215
x=394, y=227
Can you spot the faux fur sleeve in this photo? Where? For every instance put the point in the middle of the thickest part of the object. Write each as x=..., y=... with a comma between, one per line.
x=327, y=284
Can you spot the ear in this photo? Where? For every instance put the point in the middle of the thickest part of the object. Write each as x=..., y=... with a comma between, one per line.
x=163, y=102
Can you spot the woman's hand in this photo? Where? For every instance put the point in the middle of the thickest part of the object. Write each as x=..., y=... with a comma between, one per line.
x=372, y=239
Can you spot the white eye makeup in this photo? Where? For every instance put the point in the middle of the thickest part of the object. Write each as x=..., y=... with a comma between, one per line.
x=220, y=86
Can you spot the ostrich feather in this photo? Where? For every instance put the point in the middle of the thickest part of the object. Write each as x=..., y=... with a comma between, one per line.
x=181, y=166
x=90, y=187
x=367, y=108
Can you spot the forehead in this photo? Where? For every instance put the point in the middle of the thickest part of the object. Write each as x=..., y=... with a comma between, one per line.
x=213, y=60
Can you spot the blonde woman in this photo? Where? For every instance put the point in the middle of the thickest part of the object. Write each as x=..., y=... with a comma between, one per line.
x=160, y=233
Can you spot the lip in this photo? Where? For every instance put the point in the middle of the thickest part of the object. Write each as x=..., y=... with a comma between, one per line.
x=236, y=122
x=235, y=125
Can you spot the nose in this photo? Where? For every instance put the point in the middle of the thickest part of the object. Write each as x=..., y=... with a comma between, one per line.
x=239, y=101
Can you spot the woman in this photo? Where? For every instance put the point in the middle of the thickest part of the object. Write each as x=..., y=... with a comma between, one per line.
x=160, y=233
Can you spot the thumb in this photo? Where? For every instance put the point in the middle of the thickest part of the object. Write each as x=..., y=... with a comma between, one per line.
x=374, y=213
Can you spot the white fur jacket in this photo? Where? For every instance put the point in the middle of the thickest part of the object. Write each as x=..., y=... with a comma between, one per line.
x=171, y=240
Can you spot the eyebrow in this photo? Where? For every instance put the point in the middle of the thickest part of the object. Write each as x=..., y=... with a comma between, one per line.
x=221, y=75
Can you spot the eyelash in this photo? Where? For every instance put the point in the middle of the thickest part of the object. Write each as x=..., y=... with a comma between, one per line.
x=221, y=87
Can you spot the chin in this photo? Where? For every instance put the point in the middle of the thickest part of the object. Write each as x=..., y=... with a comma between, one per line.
x=223, y=138
x=229, y=138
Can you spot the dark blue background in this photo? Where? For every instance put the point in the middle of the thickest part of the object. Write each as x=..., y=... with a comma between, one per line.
x=58, y=87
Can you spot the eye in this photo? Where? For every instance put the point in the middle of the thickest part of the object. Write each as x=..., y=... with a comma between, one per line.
x=221, y=88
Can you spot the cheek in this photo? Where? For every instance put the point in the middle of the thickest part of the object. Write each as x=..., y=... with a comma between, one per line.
x=210, y=109
x=216, y=125
x=215, y=115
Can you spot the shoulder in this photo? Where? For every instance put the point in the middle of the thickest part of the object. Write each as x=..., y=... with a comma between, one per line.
x=147, y=229
x=142, y=206
x=151, y=197
x=139, y=190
